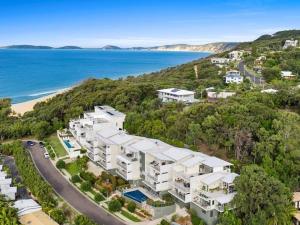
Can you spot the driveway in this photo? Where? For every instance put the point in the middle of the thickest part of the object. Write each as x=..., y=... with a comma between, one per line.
x=69, y=193
x=247, y=74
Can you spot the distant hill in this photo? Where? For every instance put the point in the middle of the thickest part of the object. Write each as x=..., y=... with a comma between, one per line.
x=272, y=41
x=110, y=47
x=28, y=47
x=212, y=47
x=70, y=47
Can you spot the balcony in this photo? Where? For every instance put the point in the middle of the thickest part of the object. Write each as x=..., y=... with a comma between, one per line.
x=182, y=197
x=159, y=166
x=185, y=187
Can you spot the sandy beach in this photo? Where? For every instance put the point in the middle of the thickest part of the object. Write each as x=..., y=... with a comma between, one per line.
x=23, y=107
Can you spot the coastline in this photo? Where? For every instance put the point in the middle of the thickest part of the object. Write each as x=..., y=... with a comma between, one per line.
x=23, y=107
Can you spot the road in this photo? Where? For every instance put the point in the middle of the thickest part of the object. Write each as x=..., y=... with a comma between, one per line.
x=69, y=193
x=247, y=74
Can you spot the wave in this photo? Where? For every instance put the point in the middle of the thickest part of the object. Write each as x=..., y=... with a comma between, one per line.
x=43, y=93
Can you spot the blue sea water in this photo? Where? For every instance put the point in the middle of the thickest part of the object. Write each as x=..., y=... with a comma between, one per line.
x=30, y=74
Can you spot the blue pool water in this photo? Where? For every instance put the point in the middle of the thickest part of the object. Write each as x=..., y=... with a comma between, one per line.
x=29, y=74
x=136, y=196
x=68, y=144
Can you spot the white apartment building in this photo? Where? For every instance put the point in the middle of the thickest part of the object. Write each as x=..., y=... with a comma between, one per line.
x=290, y=43
x=191, y=177
x=235, y=55
x=176, y=95
x=233, y=76
x=221, y=94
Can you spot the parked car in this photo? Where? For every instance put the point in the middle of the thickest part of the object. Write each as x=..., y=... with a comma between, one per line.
x=46, y=155
x=30, y=143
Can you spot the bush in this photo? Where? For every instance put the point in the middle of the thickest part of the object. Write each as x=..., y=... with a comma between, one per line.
x=99, y=197
x=52, y=155
x=82, y=151
x=58, y=215
x=61, y=164
x=131, y=207
x=75, y=179
x=114, y=205
x=86, y=186
x=87, y=176
x=164, y=222
x=122, y=200
x=83, y=220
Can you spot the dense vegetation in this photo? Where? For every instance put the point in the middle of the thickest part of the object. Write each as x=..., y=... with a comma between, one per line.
x=8, y=215
x=250, y=128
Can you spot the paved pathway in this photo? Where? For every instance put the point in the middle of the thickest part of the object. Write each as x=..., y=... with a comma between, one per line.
x=68, y=192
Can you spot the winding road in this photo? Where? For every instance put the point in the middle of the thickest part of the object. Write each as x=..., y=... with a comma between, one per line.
x=247, y=74
x=69, y=193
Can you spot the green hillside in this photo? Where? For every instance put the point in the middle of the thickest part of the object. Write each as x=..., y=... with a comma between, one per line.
x=249, y=128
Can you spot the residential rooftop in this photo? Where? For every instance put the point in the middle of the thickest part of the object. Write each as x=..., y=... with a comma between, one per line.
x=175, y=91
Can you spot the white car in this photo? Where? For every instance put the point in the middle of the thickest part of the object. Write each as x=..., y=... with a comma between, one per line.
x=46, y=155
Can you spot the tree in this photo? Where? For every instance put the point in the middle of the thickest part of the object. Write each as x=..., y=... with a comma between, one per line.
x=8, y=215
x=60, y=164
x=229, y=218
x=75, y=178
x=114, y=205
x=261, y=199
x=98, y=197
x=86, y=186
x=41, y=129
x=131, y=206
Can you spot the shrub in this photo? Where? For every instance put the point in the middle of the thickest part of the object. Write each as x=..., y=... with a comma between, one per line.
x=114, y=205
x=52, y=155
x=58, y=215
x=122, y=200
x=86, y=186
x=75, y=179
x=82, y=151
x=83, y=220
x=61, y=164
x=164, y=222
x=87, y=176
x=131, y=207
x=98, y=197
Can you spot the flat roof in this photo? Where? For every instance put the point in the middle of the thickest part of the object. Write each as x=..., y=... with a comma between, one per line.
x=213, y=161
x=193, y=161
x=225, y=198
x=37, y=218
x=147, y=144
x=177, y=154
x=121, y=138
x=110, y=110
x=175, y=91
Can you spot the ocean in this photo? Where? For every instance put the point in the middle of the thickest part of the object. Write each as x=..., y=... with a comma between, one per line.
x=30, y=74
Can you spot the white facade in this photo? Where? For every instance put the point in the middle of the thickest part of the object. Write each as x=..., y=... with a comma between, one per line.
x=221, y=61
x=235, y=55
x=290, y=43
x=5, y=186
x=221, y=94
x=287, y=74
x=177, y=95
x=161, y=167
x=233, y=76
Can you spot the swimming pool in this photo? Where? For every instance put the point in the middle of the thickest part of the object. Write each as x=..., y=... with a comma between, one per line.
x=136, y=196
x=68, y=144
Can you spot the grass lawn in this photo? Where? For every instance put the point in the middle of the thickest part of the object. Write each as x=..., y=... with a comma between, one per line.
x=57, y=146
x=72, y=168
x=130, y=216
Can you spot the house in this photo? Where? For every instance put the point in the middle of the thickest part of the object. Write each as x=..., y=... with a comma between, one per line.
x=290, y=43
x=287, y=75
x=296, y=201
x=176, y=95
x=233, y=76
x=235, y=55
x=222, y=94
x=269, y=91
x=220, y=61
x=6, y=189
x=30, y=212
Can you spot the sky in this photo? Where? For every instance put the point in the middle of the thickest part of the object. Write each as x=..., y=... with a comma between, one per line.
x=95, y=23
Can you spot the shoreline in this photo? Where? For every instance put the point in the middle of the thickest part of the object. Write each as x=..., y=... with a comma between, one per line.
x=23, y=107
